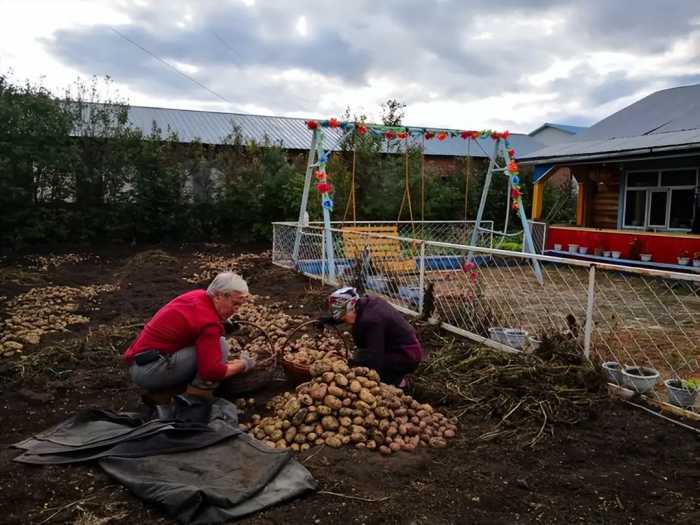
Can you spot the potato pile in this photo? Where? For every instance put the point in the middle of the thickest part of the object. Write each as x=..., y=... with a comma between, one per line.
x=350, y=406
x=43, y=263
x=43, y=311
x=211, y=265
x=303, y=350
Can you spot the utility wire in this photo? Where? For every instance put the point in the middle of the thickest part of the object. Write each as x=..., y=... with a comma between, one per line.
x=229, y=46
x=172, y=66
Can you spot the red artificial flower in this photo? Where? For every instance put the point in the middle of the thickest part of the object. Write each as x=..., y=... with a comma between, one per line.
x=505, y=134
x=441, y=135
x=311, y=124
x=511, y=152
x=319, y=174
x=390, y=135
x=496, y=135
x=515, y=193
x=333, y=123
x=513, y=167
x=402, y=135
x=465, y=134
x=361, y=130
x=429, y=135
x=323, y=187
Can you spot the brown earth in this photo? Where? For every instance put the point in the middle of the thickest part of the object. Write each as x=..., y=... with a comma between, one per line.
x=620, y=466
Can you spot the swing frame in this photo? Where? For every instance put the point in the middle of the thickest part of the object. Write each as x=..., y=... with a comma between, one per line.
x=317, y=152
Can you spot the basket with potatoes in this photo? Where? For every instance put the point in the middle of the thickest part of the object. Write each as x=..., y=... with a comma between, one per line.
x=253, y=339
x=307, y=344
x=344, y=406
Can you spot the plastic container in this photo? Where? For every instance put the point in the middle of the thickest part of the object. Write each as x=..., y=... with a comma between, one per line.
x=573, y=248
x=615, y=254
x=613, y=370
x=583, y=250
x=645, y=257
x=516, y=338
x=696, y=263
x=683, y=261
x=641, y=379
x=498, y=334
x=681, y=397
x=606, y=253
x=558, y=247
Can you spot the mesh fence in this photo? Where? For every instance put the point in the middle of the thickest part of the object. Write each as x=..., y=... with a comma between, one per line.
x=511, y=300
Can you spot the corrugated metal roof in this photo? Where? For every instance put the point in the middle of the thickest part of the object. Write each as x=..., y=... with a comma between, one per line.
x=665, y=119
x=291, y=133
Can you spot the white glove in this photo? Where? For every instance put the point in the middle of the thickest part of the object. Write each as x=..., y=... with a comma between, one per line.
x=248, y=360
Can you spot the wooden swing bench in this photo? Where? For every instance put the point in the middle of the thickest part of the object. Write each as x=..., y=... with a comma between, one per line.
x=384, y=252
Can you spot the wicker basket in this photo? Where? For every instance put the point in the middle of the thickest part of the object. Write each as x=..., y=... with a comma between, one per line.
x=260, y=376
x=298, y=373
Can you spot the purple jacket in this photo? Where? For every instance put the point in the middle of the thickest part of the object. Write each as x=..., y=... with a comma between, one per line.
x=383, y=337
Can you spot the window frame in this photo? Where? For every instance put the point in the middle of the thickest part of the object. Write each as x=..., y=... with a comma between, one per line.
x=649, y=189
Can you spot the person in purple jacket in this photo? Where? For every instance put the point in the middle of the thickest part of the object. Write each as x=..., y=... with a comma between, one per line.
x=385, y=341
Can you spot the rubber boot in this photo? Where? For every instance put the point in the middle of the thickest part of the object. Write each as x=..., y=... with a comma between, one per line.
x=165, y=412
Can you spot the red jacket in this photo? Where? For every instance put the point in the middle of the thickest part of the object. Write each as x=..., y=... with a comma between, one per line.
x=188, y=320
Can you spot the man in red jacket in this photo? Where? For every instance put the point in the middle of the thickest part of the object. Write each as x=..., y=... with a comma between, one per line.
x=183, y=343
x=385, y=340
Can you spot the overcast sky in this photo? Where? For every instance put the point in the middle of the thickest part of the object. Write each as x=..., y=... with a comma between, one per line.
x=505, y=64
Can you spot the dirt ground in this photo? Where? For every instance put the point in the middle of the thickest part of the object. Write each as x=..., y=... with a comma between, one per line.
x=620, y=466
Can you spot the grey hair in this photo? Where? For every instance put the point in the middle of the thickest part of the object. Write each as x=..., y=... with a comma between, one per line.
x=227, y=282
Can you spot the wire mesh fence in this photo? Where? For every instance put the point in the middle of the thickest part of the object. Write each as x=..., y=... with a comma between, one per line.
x=637, y=318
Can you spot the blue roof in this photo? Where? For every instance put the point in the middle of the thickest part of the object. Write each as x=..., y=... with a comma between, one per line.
x=212, y=127
x=566, y=128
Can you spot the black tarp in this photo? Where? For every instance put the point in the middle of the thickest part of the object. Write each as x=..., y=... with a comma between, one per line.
x=199, y=468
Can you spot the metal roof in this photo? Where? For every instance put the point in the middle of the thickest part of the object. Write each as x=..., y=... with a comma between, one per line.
x=663, y=121
x=566, y=128
x=291, y=133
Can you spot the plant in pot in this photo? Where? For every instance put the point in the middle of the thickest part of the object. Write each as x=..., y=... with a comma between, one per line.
x=683, y=258
x=682, y=392
x=696, y=260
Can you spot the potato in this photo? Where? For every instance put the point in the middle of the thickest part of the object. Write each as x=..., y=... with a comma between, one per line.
x=259, y=433
x=332, y=402
x=364, y=407
x=341, y=380
x=289, y=435
x=319, y=441
x=319, y=392
x=311, y=437
x=449, y=433
x=357, y=429
x=345, y=421
x=345, y=439
x=336, y=391
x=360, y=445
x=281, y=444
x=347, y=402
x=276, y=435
x=385, y=450
x=292, y=407
x=357, y=437
x=345, y=412
x=328, y=377
x=299, y=438
x=395, y=447
x=319, y=368
x=305, y=429
x=243, y=427
x=286, y=424
x=355, y=386
x=361, y=370
x=371, y=444
x=304, y=447
x=382, y=412
x=340, y=367
x=370, y=420
x=269, y=443
x=324, y=410
x=295, y=447
x=311, y=417
x=329, y=423
x=299, y=417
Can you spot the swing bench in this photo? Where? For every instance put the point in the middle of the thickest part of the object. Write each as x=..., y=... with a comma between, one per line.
x=382, y=245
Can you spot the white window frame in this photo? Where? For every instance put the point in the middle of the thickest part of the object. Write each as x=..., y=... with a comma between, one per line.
x=649, y=190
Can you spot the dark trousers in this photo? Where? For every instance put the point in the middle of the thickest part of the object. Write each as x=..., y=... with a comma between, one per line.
x=393, y=373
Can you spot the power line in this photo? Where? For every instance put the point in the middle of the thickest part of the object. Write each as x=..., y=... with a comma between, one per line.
x=172, y=67
x=229, y=46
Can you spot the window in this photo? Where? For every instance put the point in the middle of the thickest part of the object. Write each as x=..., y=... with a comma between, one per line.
x=660, y=200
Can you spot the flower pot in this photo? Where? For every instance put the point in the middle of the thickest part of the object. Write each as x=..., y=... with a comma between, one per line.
x=615, y=254
x=606, y=253
x=683, y=261
x=614, y=371
x=516, y=337
x=557, y=247
x=645, y=257
x=573, y=248
x=583, y=250
x=681, y=397
x=696, y=263
x=641, y=379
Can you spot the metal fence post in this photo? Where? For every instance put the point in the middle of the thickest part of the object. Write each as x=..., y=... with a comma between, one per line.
x=421, y=278
x=588, y=330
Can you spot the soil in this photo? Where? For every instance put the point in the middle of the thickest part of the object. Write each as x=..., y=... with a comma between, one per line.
x=620, y=466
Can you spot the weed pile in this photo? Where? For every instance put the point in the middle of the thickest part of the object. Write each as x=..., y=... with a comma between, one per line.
x=527, y=394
